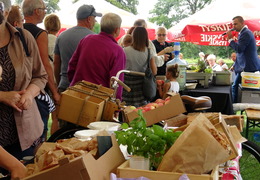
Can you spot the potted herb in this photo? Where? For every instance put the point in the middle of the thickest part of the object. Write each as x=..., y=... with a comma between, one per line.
x=149, y=142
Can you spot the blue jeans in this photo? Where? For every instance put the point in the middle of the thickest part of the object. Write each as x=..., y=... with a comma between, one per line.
x=44, y=111
x=235, y=85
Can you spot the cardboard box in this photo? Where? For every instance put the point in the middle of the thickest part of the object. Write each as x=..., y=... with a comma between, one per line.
x=222, y=126
x=86, y=102
x=80, y=108
x=124, y=171
x=173, y=108
x=237, y=120
x=85, y=167
x=176, y=121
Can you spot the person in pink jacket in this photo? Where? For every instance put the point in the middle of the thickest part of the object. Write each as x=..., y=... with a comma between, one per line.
x=98, y=57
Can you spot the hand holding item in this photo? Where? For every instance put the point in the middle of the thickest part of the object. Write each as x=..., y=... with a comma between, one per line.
x=10, y=163
x=229, y=33
x=11, y=98
x=166, y=57
x=25, y=101
x=168, y=49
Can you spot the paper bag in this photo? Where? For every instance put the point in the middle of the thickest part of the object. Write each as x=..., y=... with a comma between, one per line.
x=196, y=151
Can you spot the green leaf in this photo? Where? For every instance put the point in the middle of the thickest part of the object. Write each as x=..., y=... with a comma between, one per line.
x=124, y=126
x=158, y=130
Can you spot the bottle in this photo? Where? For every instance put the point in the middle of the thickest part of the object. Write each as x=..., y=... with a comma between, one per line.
x=182, y=65
x=257, y=136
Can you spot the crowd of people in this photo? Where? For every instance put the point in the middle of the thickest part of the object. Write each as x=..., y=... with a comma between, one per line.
x=36, y=66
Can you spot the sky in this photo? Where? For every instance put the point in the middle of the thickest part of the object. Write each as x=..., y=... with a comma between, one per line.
x=144, y=7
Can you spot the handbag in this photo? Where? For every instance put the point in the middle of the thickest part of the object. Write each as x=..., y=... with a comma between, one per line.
x=149, y=83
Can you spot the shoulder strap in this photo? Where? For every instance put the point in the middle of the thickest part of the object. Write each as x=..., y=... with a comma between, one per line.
x=50, y=58
x=21, y=35
x=148, y=58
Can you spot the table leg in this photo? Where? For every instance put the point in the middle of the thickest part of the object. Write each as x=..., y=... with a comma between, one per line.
x=247, y=126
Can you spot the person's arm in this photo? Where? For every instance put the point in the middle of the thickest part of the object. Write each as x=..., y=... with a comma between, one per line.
x=153, y=66
x=27, y=97
x=57, y=67
x=42, y=42
x=159, y=60
x=10, y=163
x=11, y=98
x=166, y=88
x=168, y=49
x=242, y=43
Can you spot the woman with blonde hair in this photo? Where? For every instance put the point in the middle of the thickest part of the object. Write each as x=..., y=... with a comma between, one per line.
x=52, y=26
x=15, y=17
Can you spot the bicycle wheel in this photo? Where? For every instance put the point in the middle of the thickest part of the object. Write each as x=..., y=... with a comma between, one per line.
x=65, y=132
x=250, y=161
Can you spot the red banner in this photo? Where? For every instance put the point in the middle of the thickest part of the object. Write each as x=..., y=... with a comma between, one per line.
x=211, y=34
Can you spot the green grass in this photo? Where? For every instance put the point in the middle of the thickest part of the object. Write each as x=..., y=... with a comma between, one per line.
x=49, y=127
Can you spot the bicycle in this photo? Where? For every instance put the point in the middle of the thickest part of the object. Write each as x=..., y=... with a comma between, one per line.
x=69, y=130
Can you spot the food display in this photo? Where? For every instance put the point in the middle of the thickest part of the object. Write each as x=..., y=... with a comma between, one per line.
x=49, y=154
x=150, y=106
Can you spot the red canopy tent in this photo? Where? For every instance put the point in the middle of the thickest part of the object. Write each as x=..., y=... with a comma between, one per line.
x=207, y=25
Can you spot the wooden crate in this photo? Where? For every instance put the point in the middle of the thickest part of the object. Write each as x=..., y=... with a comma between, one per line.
x=124, y=171
x=80, y=108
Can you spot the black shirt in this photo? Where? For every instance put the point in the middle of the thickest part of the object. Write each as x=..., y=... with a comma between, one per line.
x=159, y=47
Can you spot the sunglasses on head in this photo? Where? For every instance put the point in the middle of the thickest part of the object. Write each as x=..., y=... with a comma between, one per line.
x=161, y=35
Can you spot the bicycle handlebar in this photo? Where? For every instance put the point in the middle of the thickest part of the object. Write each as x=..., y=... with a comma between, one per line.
x=115, y=80
x=129, y=72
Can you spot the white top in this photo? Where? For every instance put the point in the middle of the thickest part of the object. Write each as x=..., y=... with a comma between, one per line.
x=175, y=87
x=224, y=66
x=51, y=44
x=217, y=67
x=159, y=60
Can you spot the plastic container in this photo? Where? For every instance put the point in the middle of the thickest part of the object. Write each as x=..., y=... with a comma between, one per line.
x=250, y=80
x=257, y=136
x=139, y=162
x=182, y=66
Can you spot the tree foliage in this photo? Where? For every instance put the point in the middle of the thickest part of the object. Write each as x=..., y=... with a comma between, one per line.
x=128, y=5
x=169, y=12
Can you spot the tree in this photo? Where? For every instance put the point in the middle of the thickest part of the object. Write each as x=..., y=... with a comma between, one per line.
x=128, y=5
x=169, y=12
x=51, y=5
